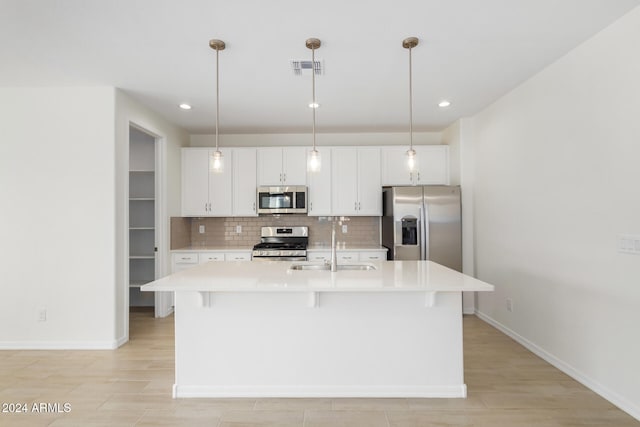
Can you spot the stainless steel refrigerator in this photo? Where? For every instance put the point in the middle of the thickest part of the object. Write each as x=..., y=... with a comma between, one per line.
x=423, y=223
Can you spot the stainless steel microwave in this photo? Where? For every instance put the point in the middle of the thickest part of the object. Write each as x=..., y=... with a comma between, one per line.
x=282, y=200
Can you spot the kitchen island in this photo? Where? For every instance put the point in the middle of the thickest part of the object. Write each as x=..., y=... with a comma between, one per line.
x=263, y=329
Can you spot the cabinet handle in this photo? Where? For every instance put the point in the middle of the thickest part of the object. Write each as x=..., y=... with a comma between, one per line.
x=346, y=257
x=185, y=258
x=355, y=206
x=254, y=206
x=359, y=206
x=280, y=177
x=285, y=177
x=418, y=176
x=310, y=206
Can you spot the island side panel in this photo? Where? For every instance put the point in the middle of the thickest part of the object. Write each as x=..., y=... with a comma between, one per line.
x=270, y=344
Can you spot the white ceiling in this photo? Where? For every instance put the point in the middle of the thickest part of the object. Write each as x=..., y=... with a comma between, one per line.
x=471, y=52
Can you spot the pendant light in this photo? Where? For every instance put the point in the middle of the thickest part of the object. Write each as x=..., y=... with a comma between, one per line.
x=314, y=161
x=216, y=163
x=410, y=43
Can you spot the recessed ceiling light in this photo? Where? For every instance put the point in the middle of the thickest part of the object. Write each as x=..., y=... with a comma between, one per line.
x=185, y=106
x=444, y=104
x=314, y=105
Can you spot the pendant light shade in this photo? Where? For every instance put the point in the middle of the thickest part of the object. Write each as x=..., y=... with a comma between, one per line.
x=314, y=162
x=216, y=162
x=410, y=43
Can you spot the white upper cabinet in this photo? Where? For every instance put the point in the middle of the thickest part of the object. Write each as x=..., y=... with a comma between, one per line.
x=319, y=193
x=195, y=182
x=206, y=193
x=356, y=188
x=432, y=166
x=244, y=182
x=369, y=187
x=282, y=166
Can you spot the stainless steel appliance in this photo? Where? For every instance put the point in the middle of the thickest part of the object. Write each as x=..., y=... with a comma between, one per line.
x=282, y=200
x=282, y=244
x=423, y=223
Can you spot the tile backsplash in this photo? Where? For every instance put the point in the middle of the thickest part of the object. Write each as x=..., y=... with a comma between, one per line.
x=223, y=231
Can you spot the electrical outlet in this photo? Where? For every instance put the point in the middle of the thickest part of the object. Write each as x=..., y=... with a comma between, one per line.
x=42, y=315
x=344, y=228
x=509, y=305
x=238, y=229
x=201, y=229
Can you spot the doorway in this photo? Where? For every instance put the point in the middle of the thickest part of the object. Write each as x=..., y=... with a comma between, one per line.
x=145, y=219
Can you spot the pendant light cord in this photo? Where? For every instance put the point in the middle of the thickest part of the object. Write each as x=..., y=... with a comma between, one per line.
x=313, y=94
x=217, y=98
x=410, y=102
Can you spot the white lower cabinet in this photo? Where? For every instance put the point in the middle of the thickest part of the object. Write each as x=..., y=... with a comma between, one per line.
x=210, y=256
x=373, y=255
x=347, y=256
x=237, y=256
x=183, y=260
x=318, y=256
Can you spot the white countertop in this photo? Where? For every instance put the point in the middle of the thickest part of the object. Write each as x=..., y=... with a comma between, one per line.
x=275, y=276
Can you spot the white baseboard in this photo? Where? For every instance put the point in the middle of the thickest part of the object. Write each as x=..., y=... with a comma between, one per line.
x=468, y=310
x=179, y=391
x=122, y=341
x=596, y=387
x=58, y=345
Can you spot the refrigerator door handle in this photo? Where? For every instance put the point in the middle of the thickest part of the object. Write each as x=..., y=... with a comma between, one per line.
x=425, y=232
x=421, y=241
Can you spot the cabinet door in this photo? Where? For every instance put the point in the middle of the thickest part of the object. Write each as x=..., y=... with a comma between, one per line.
x=237, y=256
x=210, y=256
x=344, y=184
x=395, y=170
x=373, y=256
x=195, y=181
x=270, y=166
x=294, y=166
x=318, y=256
x=244, y=182
x=369, y=188
x=221, y=188
x=432, y=163
x=320, y=186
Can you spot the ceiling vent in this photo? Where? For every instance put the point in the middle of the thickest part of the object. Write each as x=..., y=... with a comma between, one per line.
x=303, y=67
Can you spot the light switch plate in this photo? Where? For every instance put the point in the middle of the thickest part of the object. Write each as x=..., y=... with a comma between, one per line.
x=201, y=229
x=238, y=229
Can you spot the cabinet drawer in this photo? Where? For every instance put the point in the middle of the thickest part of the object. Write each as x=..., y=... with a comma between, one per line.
x=237, y=256
x=185, y=258
x=318, y=256
x=210, y=256
x=373, y=256
x=346, y=257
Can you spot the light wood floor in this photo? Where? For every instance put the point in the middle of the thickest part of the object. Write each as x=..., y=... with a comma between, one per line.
x=131, y=386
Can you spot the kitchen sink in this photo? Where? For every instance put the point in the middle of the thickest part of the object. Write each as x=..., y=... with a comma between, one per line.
x=327, y=267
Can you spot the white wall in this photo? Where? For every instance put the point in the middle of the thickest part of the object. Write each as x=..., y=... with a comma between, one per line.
x=57, y=224
x=557, y=179
x=172, y=138
x=459, y=138
x=286, y=139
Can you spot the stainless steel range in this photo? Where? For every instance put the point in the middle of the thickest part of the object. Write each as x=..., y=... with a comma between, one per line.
x=282, y=244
